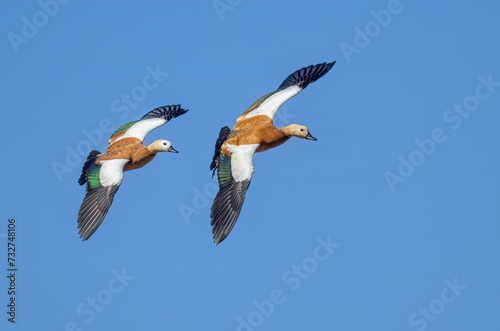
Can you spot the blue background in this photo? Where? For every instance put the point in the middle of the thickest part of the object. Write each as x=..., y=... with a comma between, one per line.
x=397, y=248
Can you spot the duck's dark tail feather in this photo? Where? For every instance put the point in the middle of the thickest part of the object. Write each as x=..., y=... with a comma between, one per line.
x=90, y=160
x=224, y=132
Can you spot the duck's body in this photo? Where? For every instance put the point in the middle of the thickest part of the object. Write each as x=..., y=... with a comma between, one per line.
x=103, y=173
x=132, y=149
x=253, y=132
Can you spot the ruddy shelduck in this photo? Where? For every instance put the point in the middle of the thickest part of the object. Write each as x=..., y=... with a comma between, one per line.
x=103, y=173
x=254, y=132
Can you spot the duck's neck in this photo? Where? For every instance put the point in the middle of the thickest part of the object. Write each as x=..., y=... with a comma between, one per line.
x=140, y=158
x=144, y=155
x=148, y=153
x=287, y=131
x=286, y=135
x=276, y=140
x=152, y=150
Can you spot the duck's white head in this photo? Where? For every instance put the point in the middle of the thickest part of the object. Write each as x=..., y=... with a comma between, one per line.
x=162, y=145
x=299, y=131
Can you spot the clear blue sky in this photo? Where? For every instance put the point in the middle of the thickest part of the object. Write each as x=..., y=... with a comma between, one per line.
x=403, y=180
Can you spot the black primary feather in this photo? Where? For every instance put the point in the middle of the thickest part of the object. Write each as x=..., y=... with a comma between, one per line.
x=90, y=160
x=94, y=208
x=226, y=208
x=165, y=112
x=306, y=75
x=228, y=201
x=224, y=132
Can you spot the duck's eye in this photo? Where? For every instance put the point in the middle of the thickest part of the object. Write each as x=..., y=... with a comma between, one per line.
x=164, y=144
x=301, y=129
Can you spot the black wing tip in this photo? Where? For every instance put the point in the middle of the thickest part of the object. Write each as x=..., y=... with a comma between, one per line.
x=218, y=236
x=95, y=207
x=85, y=232
x=306, y=75
x=226, y=208
x=218, y=224
x=167, y=112
x=84, y=237
x=178, y=111
x=219, y=230
x=86, y=166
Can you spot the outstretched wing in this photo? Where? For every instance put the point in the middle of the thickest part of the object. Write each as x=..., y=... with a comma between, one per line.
x=234, y=173
x=291, y=86
x=155, y=118
x=103, y=181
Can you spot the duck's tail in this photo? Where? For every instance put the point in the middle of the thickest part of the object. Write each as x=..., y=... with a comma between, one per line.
x=90, y=160
x=224, y=132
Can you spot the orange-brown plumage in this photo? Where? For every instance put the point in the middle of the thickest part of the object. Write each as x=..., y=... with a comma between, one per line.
x=253, y=132
x=130, y=148
x=115, y=137
x=103, y=173
x=256, y=130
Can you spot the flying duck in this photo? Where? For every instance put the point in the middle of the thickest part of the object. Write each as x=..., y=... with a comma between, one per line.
x=254, y=132
x=103, y=173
